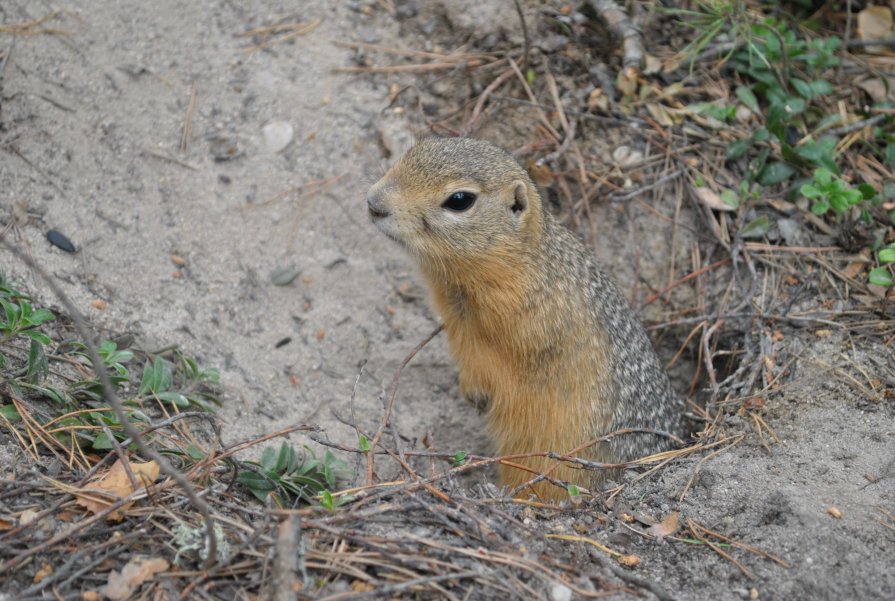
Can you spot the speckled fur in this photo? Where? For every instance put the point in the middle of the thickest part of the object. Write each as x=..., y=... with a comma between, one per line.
x=535, y=325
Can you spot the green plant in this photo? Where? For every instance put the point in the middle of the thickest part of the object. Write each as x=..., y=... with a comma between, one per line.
x=459, y=458
x=21, y=319
x=882, y=275
x=78, y=413
x=788, y=75
x=284, y=474
x=182, y=383
x=830, y=192
x=711, y=18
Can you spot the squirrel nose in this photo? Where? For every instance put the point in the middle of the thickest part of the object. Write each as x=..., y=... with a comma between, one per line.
x=376, y=206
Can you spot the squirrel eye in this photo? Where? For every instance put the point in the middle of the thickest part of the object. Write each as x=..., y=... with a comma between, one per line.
x=459, y=201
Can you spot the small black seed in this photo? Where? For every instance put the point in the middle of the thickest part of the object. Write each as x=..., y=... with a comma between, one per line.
x=60, y=240
x=283, y=342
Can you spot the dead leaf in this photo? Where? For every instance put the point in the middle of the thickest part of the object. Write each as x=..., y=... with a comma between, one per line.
x=597, y=100
x=27, y=517
x=45, y=570
x=663, y=115
x=625, y=156
x=91, y=596
x=877, y=89
x=666, y=527
x=137, y=571
x=712, y=199
x=541, y=173
x=115, y=485
x=6, y=524
x=652, y=65
x=834, y=512
x=875, y=23
x=629, y=561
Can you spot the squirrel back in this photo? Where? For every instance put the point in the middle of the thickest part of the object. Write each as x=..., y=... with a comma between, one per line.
x=537, y=328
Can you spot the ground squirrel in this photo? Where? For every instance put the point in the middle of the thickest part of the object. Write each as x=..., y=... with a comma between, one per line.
x=536, y=327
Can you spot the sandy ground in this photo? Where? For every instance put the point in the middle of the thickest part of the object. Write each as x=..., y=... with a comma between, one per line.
x=91, y=144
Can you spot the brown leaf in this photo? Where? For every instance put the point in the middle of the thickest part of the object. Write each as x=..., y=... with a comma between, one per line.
x=629, y=561
x=115, y=485
x=666, y=527
x=875, y=23
x=880, y=89
x=137, y=571
x=27, y=517
x=43, y=572
x=834, y=512
x=540, y=172
x=712, y=199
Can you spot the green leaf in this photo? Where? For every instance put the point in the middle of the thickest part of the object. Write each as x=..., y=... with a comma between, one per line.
x=174, y=397
x=103, y=442
x=327, y=501
x=810, y=191
x=257, y=484
x=756, y=228
x=820, y=87
x=881, y=277
x=41, y=316
x=269, y=459
x=459, y=458
x=11, y=413
x=820, y=152
x=853, y=196
x=823, y=176
x=803, y=88
x=157, y=376
x=761, y=134
x=195, y=453
x=886, y=255
x=747, y=97
x=38, y=365
x=730, y=198
x=738, y=148
x=868, y=192
x=794, y=106
x=573, y=491
x=775, y=173
x=12, y=312
x=37, y=336
x=839, y=203
x=364, y=444
x=820, y=207
x=285, y=458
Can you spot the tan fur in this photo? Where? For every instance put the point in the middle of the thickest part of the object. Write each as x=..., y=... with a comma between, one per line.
x=522, y=330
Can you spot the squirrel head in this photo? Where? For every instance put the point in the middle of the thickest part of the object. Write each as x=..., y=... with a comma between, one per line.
x=450, y=200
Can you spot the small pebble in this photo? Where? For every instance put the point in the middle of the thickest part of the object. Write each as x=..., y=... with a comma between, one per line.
x=277, y=135
x=283, y=276
x=560, y=592
x=369, y=35
x=61, y=241
x=552, y=43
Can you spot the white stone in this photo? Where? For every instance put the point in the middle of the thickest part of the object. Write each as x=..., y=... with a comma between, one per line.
x=277, y=135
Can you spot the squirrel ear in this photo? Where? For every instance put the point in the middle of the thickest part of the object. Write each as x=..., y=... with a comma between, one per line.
x=520, y=199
